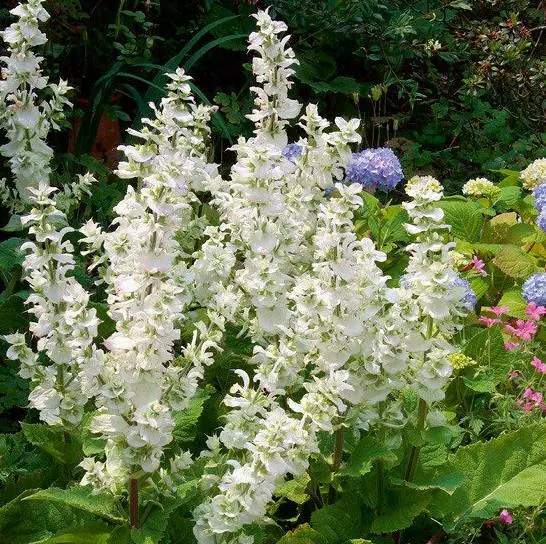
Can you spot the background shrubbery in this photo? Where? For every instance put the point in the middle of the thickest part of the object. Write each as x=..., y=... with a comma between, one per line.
x=456, y=87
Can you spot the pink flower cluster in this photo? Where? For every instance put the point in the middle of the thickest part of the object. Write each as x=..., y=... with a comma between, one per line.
x=531, y=399
x=498, y=311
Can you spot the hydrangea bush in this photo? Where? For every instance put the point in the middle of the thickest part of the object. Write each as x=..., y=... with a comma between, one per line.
x=274, y=354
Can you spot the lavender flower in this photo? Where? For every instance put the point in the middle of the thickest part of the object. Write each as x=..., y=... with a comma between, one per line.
x=541, y=221
x=377, y=168
x=468, y=300
x=292, y=151
x=540, y=197
x=534, y=289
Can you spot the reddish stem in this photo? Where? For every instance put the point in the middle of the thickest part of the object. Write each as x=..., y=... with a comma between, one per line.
x=133, y=504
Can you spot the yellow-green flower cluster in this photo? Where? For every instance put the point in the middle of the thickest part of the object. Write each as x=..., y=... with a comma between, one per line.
x=534, y=174
x=481, y=187
x=459, y=360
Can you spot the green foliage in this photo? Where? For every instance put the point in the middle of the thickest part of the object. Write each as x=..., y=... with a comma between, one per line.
x=506, y=472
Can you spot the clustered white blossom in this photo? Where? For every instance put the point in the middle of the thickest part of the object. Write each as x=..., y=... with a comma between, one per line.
x=334, y=346
x=25, y=115
x=139, y=383
x=65, y=325
x=286, y=264
x=481, y=187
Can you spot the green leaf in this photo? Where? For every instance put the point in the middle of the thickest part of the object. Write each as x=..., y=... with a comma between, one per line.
x=465, y=218
x=486, y=347
x=153, y=529
x=506, y=472
x=509, y=195
x=497, y=228
x=90, y=533
x=14, y=224
x=54, y=440
x=22, y=522
x=13, y=315
x=340, y=521
x=515, y=303
x=365, y=453
x=480, y=286
x=81, y=498
x=404, y=505
x=514, y=263
x=295, y=490
x=185, y=421
x=445, y=482
x=91, y=443
x=303, y=535
x=10, y=254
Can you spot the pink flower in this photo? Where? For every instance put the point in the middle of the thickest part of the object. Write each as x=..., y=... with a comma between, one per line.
x=535, y=396
x=535, y=312
x=489, y=321
x=539, y=365
x=534, y=400
x=514, y=374
x=499, y=310
x=523, y=329
x=506, y=517
x=509, y=346
x=478, y=266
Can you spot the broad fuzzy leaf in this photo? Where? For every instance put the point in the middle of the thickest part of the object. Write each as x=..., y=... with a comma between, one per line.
x=80, y=498
x=506, y=472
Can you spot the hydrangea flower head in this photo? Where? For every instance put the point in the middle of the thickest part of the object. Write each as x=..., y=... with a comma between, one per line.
x=424, y=188
x=534, y=174
x=468, y=300
x=481, y=187
x=534, y=289
x=541, y=220
x=292, y=151
x=540, y=196
x=375, y=168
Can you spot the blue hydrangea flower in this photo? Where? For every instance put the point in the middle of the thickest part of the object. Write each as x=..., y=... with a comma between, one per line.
x=541, y=221
x=534, y=289
x=540, y=197
x=377, y=168
x=469, y=299
x=292, y=151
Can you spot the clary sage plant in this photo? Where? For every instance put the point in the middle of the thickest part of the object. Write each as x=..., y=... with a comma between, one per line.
x=338, y=349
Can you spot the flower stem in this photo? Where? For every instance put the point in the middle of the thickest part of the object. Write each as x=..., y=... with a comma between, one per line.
x=133, y=504
x=336, y=462
x=415, y=450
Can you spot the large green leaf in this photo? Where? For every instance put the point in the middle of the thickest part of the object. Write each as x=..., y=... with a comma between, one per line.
x=54, y=440
x=22, y=522
x=465, y=218
x=90, y=533
x=404, y=505
x=81, y=498
x=340, y=521
x=506, y=472
x=185, y=421
x=515, y=303
x=515, y=263
x=303, y=535
x=10, y=254
x=362, y=458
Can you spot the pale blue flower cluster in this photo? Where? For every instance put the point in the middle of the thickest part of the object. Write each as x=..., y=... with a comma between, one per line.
x=540, y=204
x=469, y=299
x=534, y=289
x=292, y=151
x=375, y=169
